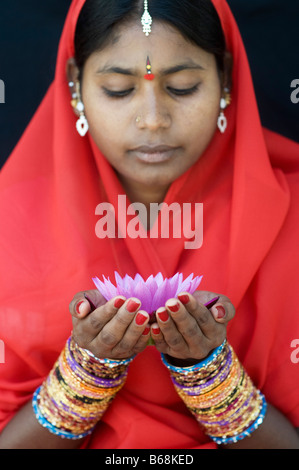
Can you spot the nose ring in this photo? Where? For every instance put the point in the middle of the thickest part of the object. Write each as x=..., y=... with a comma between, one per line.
x=138, y=119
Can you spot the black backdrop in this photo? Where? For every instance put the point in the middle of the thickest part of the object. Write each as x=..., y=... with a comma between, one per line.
x=29, y=34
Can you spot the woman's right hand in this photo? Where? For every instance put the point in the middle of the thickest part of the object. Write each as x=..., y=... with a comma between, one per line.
x=116, y=329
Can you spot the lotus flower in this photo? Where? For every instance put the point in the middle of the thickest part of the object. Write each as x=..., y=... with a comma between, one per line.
x=153, y=293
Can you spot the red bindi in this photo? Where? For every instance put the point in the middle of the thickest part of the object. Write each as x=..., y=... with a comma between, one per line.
x=149, y=75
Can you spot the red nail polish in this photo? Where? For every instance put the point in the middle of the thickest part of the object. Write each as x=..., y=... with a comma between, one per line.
x=220, y=312
x=132, y=306
x=184, y=298
x=118, y=303
x=78, y=305
x=163, y=315
x=146, y=331
x=174, y=308
x=140, y=319
x=156, y=331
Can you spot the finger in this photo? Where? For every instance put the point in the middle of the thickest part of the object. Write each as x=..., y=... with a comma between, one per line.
x=84, y=302
x=223, y=310
x=169, y=327
x=143, y=340
x=133, y=335
x=114, y=330
x=86, y=328
x=189, y=333
x=103, y=314
x=204, y=318
x=158, y=338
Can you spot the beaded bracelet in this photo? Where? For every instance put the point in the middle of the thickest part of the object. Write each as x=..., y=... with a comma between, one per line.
x=221, y=396
x=78, y=391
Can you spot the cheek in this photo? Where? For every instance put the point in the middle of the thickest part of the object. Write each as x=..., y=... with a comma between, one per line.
x=105, y=128
x=201, y=120
x=200, y=125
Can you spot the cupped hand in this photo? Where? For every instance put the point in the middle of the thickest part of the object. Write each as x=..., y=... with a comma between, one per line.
x=187, y=331
x=114, y=329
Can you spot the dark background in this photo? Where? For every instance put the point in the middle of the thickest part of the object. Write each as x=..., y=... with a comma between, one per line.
x=30, y=31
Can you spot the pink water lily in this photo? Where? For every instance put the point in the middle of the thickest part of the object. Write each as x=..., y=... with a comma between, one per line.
x=152, y=292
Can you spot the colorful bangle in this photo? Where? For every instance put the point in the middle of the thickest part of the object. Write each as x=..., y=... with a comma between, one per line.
x=199, y=366
x=221, y=395
x=78, y=391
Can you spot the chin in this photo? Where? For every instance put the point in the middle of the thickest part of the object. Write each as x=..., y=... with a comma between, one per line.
x=158, y=180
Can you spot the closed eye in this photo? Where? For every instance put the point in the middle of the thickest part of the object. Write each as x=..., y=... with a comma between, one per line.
x=183, y=91
x=174, y=91
x=117, y=94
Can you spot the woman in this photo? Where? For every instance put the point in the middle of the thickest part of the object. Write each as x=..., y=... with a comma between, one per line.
x=156, y=115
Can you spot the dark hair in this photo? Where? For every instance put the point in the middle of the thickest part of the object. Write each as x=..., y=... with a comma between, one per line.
x=197, y=21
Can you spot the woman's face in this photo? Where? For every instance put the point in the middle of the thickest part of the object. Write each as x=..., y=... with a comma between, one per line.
x=151, y=131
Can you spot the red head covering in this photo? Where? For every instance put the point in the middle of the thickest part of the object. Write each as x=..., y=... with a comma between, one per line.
x=50, y=188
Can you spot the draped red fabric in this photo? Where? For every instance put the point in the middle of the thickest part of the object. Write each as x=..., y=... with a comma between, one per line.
x=247, y=180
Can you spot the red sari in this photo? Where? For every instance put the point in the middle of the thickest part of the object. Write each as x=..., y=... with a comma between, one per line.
x=247, y=180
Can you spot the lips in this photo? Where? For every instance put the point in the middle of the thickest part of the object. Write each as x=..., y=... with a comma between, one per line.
x=154, y=154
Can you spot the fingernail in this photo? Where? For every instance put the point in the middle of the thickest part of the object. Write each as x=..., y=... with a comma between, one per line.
x=156, y=330
x=174, y=307
x=140, y=318
x=220, y=312
x=119, y=302
x=184, y=298
x=78, y=306
x=132, y=306
x=146, y=331
x=163, y=314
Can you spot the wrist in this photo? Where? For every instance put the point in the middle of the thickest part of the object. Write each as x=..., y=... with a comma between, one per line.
x=77, y=392
x=221, y=396
x=194, y=365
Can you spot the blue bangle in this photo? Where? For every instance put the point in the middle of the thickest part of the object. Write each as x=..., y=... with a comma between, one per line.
x=46, y=424
x=110, y=362
x=204, y=363
x=231, y=440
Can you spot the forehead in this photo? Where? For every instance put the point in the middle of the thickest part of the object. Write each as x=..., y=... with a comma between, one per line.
x=165, y=45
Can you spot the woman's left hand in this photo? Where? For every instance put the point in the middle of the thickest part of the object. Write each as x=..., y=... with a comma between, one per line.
x=187, y=331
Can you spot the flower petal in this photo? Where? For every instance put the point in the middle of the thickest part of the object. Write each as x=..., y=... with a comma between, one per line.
x=142, y=292
x=195, y=283
x=159, y=279
x=184, y=286
x=163, y=293
x=152, y=292
x=106, y=288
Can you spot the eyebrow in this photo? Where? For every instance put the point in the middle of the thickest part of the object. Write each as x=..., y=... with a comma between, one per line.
x=163, y=72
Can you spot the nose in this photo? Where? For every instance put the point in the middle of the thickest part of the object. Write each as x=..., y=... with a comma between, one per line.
x=153, y=112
